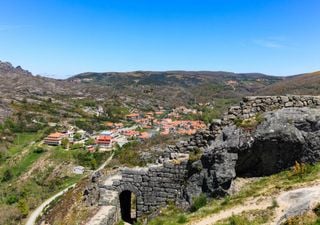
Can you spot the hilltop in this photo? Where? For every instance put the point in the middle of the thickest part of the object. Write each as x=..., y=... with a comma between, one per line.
x=308, y=83
x=180, y=87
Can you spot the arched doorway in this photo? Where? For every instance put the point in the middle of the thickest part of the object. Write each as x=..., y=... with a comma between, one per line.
x=128, y=206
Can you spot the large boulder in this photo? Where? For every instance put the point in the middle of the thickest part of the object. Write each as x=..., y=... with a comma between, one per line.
x=283, y=137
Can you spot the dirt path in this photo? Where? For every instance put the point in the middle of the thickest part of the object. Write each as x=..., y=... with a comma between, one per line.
x=253, y=204
x=37, y=212
x=291, y=203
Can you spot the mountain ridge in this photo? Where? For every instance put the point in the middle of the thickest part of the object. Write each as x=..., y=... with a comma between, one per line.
x=147, y=89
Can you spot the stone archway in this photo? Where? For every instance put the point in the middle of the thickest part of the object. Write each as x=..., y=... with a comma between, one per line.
x=128, y=206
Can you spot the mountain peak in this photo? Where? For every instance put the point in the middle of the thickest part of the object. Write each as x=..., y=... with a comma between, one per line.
x=7, y=67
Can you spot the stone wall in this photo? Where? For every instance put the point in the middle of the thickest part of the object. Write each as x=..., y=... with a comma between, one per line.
x=258, y=104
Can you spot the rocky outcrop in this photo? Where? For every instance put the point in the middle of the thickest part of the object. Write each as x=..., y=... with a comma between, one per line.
x=284, y=137
x=249, y=107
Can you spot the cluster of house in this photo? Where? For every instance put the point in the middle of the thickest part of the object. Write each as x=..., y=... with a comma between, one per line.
x=182, y=110
x=165, y=125
x=145, y=125
x=182, y=127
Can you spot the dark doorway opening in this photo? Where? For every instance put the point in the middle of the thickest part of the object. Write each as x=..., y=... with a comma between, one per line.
x=128, y=205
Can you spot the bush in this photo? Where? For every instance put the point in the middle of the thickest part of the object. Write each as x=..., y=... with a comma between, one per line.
x=182, y=219
x=65, y=143
x=195, y=155
x=76, y=146
x=11, y=199
x=7, y=175
x=39, y=150
x=299, y=169
x=23, y=207
x=198, y=202
x=316, y=210
x=250, y=123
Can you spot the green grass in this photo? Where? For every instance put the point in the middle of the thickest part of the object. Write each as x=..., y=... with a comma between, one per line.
x=25, y=163
x=22, y=140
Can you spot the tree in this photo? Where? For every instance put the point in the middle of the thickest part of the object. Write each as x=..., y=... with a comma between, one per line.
x=77, y=136
x=90, y=141
x=65, y=143
x=93, y=163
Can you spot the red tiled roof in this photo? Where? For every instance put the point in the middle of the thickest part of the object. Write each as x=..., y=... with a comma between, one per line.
x=104, y=138
x=132, y=115
x=56, y=135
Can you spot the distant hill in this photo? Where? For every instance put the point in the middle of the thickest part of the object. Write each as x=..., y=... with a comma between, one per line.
x=180, y=87
x=306, y=84
x=147, y=89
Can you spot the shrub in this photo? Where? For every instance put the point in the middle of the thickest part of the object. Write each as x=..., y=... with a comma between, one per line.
x=93, y=164
x=299, y=169
x=7, y=175
x=274, y=204
x=182, y=219
x=76, y=146
x=39, y=150
x=11, y=199
x=250, y=123
x=65, y=143
x=316, y=210
x=198, y=202
x=23, y=207
x=226, y=200
x=195, y=155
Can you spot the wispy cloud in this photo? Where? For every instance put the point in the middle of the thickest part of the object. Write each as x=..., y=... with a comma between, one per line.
x=271, y=42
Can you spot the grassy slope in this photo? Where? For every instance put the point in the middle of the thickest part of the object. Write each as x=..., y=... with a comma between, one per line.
x=35, y=176
x=303, y=84
x=266, y=186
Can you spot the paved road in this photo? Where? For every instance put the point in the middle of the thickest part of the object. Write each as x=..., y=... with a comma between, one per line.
x=37, y=212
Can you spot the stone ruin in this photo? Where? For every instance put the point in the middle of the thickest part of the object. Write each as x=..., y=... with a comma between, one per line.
x=226, y=151
x=152, y=186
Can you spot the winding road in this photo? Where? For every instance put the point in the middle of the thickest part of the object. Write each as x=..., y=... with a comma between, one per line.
x=37, y=212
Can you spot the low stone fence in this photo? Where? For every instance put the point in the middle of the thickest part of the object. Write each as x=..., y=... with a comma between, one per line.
x=256, y=104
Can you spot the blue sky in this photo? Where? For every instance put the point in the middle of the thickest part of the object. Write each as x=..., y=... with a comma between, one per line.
x=59, y=38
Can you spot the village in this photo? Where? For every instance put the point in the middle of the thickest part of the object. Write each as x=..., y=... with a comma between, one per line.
x=137, y=126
